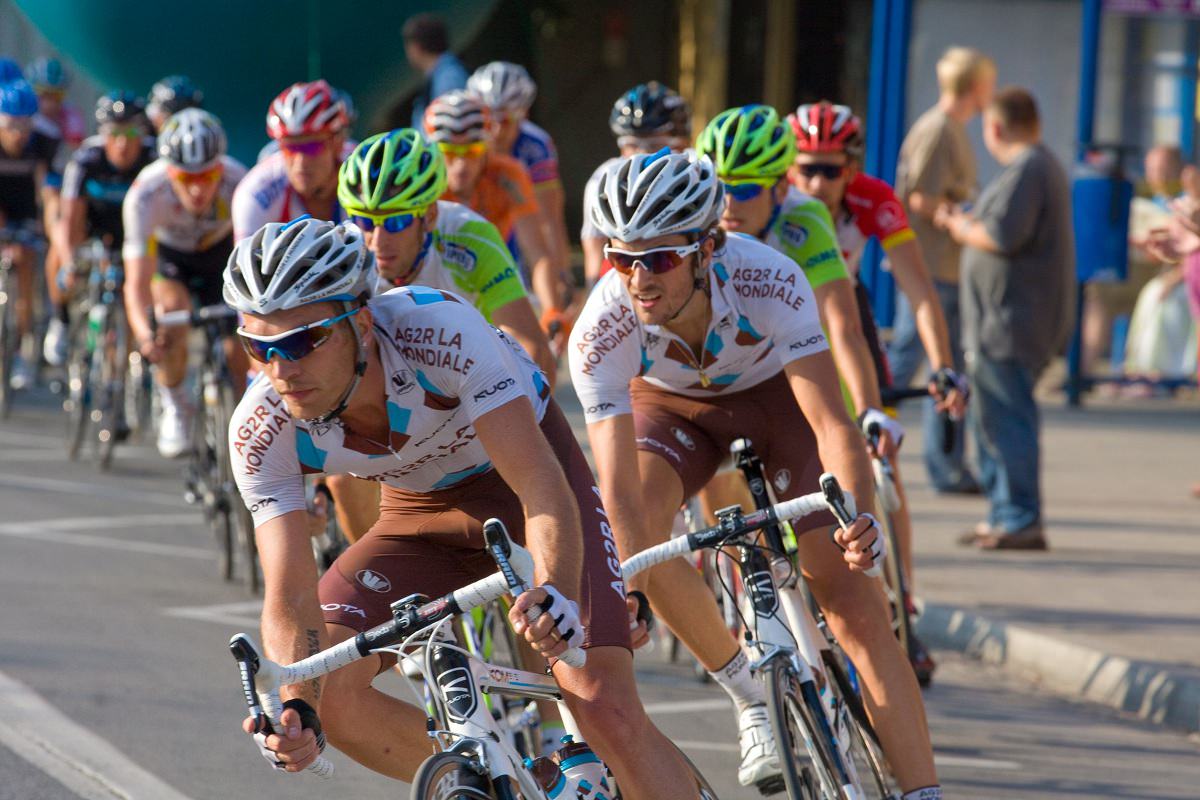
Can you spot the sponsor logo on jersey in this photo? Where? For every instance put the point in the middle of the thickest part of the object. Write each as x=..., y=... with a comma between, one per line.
x=457, y=254
x=887, y=216
x=266, y=501
x=507, y=274
x=355, y=610
x=793, y=234
x=374, y=581
x=683, y=438
x=599, y=407
x=655, y=444
x=502, y=385
x=783, y=479
x=809, y=342
x=403, y=382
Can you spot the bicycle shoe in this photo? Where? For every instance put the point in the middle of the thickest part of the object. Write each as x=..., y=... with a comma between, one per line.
x=922, y=663
x=760, y=758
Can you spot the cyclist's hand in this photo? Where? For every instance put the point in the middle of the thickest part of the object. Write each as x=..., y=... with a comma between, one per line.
x=557, y=325
x=66, y=278
x=891, y=432
x=950, y=390
x=641, y=619
x=862, y=543
x=298, y=741
x=151, y=349
x=556, y=629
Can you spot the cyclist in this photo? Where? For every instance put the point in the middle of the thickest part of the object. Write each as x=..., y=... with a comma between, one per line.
x=25, y=156
x=309, y=122
x=272, y=146
x=390, y=187
x=413, y=389
x=697, y=338
x=170, y=95
x=498, y=188
x=829, y=144
x=95, y=182
x=178, y=235
x=508, y=92
x=644, y=119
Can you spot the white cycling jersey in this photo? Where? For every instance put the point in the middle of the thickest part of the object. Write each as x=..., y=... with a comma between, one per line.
x=764, y=316
x=152, y=214
x=445, y=368
x=266, y=196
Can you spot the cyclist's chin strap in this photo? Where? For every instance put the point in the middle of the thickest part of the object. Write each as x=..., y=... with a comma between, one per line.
x=360, y=369
x=416, y=264
x=762, y=235
x=699, y=281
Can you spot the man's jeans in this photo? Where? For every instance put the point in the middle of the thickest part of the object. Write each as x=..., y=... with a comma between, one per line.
x=1004, y=418
x=905, y=356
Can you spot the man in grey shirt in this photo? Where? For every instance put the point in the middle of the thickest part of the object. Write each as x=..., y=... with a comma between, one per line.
x=937, y=168
x=1017, y=300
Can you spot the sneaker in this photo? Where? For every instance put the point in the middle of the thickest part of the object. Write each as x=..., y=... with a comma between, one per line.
x=760, y=758
x=54, y=346
x=173, y=431
x=22, y=373
x=922, y=663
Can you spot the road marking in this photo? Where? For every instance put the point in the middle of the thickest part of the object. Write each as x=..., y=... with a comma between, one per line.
x=944, y=760
x=75, y=757
x=245, y=614
x=33, y=439
x=62, y=532
x=688, y=706
x=714, y=747
x=14, y=481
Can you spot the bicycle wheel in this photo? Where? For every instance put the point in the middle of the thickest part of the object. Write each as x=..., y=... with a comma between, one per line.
x=77, y=401
x=243, y=521
x=8, y=344
x=204, y=480
x=110, y=407
x=450, y=776
x=799, y=734
x=139, y=398
x=859, y=736
x=897, y=587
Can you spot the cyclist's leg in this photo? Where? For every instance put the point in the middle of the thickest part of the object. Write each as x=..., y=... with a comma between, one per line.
x=171, y=294
x=24, y=263
x=356, y=504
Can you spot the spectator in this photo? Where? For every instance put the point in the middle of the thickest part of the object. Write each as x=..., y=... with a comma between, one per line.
x=1017, y=295
x=428, y=49
x=936, y=168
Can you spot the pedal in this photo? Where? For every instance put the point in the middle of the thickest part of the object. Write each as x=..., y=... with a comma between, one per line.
x=772, y=785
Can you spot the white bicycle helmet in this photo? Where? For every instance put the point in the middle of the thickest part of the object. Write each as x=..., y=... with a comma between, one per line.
x=290, y=264
x=647, y=196
x=456, y=117
x=192, y=140
x=503, y=85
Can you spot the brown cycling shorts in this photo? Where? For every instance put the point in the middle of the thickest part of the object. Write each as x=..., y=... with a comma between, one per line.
x=432, y=543
x=693, y=435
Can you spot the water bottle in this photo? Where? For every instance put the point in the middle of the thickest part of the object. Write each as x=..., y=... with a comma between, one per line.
x=96, y=316
x=546, y=772
x=585, y=773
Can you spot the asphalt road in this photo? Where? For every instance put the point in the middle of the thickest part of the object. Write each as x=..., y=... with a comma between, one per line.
x=115, y=681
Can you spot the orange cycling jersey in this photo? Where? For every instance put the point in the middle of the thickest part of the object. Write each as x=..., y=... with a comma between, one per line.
x=504, y=194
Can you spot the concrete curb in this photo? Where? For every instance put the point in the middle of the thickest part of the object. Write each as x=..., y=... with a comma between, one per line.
x=1148, y=691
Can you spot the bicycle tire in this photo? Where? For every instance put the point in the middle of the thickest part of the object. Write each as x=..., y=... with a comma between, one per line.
x=897, y=587
x=8, y=350
x=450, y=776
x=77, y=399
x=243, y=521
x=204, y=477
x=798, y=735
x=112, y=405
x=865, y=750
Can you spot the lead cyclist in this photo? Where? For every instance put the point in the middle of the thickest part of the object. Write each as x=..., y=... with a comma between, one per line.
x=696, y=339
x=415, y=390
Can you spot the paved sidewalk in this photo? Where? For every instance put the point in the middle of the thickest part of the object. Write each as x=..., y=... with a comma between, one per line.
x=1112, y=613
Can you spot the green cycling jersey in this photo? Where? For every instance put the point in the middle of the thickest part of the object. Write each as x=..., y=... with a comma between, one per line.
x=804, y=231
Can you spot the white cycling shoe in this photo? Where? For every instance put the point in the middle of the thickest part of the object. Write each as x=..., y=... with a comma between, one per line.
x=173, y=430
x=54, y=347
x=760, y=758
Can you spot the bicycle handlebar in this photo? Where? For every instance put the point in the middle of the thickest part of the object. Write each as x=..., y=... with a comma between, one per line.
x=199, y=316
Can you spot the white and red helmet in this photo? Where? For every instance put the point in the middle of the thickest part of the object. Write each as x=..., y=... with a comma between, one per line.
x=827, y=128
x=307, y=109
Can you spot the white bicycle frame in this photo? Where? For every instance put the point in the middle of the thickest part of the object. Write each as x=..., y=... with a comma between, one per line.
x=795, y=635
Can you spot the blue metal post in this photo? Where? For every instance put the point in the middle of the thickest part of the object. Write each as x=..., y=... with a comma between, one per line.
x=1084, y=128
x=1187, y=91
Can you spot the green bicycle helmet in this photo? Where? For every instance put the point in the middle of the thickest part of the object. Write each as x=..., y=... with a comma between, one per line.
x=392, y=173
x=748, y=142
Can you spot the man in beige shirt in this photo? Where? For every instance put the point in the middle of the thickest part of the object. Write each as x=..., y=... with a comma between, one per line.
x=937, y=169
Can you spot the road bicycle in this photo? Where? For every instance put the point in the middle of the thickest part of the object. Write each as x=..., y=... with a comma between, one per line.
x=11, y=238
x=828, y=749
x=208, y=475
x=476, y=756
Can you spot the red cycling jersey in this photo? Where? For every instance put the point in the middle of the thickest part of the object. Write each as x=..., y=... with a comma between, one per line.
x=870, y=208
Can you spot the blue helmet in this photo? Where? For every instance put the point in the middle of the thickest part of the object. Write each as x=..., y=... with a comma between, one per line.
x=17, y=99
x=47, y=73
x=120, y=106
x=650, y=109
x=10, y=70
x=174, y=93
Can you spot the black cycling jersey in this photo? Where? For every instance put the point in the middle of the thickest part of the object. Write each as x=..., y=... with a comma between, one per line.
x=91, y=176
x=18, y=178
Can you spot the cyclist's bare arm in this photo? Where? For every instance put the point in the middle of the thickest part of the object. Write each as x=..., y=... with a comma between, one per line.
x=520, y=453
x=908, y=267
x=839, y=312
x=545, y=273
x=551, y=200
x=518, y=321
x=138, y=272
x=593, y=259
x=814, y=382
x=614, y=447
x=68, y=233
x=292, y=624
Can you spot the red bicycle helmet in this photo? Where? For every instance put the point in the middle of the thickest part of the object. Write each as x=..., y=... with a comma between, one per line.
x=306, y=109
x=827, y=128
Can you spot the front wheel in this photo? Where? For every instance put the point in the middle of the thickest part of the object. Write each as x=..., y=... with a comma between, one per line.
x=799, y=735
x=450, y=776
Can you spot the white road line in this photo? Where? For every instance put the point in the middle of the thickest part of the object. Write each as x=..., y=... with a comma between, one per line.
x=943, y=760
x=33, y=439
x=714, y=747
x=62, y=530
x=32, y=454
x=15, y=481
x=243, y=615
x=77, y=758
x=688, y=706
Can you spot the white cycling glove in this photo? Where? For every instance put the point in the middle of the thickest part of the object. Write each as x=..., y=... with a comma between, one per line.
x=260, y=739
x=565, y=614
x=892, y=427
x=877, y=550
